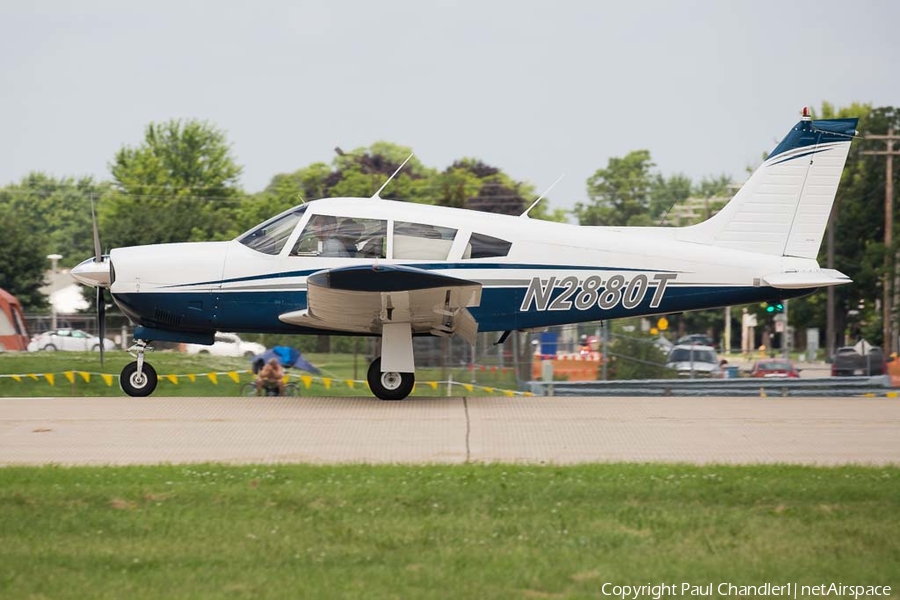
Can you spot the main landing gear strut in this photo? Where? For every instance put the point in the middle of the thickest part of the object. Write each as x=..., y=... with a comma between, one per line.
x=396, y=380
x=138, y=378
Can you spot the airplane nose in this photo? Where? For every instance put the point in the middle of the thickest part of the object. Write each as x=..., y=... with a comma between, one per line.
x=94, y=274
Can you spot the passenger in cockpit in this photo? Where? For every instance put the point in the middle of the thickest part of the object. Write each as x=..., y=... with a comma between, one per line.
x=349, y=232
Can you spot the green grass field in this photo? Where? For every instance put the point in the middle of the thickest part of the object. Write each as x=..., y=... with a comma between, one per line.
x=470, y=531
x=30, y=369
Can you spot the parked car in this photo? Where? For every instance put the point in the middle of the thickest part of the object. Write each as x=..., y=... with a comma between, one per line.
x=847, y=362
x=227, y=344
x=694, y=360
x=696, y=338
x=777, y=368
x=68, y=339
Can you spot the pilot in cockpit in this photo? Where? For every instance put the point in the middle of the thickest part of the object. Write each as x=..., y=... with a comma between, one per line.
x=325, y=228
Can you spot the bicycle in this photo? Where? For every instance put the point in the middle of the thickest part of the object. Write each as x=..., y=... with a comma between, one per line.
x=290, y=390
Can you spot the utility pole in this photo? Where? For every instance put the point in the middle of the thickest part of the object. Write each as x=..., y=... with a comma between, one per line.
x=830, y=333
x=785, y=335
x=605, y=326
x=54, y=261
x=726, y=344
x=890, y=341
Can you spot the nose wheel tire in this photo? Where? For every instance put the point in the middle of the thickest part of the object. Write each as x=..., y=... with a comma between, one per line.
x=138, y=385
x=390, y=385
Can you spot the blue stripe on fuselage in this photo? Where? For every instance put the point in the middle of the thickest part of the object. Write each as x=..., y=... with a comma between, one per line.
x=499, y=310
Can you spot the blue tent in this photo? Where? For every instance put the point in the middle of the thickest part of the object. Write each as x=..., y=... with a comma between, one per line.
x=289, y=357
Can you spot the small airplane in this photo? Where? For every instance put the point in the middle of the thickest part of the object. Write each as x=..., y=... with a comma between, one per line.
x=376, y=267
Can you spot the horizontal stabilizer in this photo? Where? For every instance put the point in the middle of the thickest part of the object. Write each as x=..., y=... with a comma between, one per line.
x=806, y=279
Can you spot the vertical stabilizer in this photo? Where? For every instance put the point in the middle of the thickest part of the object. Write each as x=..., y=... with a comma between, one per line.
x=784, y=206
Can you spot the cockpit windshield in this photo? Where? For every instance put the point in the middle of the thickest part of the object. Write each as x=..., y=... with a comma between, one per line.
x=270, y=237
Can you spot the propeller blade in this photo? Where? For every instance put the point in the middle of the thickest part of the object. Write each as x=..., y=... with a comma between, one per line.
x=98, y=254
x=101, y=321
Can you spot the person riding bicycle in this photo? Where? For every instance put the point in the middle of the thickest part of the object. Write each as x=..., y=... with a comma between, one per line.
x=270, y=377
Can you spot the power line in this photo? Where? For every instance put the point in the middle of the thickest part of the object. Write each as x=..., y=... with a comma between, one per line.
x=258, y=196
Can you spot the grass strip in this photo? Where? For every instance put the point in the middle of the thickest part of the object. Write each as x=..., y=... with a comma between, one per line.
x=468, y=531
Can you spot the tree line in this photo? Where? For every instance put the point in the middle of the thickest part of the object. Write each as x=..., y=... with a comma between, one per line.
x=181, y=182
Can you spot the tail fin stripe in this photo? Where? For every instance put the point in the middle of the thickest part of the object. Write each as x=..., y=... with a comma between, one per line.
x=799, y=156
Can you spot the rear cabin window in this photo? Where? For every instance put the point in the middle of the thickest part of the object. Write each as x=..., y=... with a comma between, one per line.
x=485, y=246
x=422, y=242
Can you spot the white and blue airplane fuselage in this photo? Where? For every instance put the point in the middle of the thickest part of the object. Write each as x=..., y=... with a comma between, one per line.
x=368, y=266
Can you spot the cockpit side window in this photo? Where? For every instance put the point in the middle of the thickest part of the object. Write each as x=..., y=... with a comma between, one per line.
x=423, y=242
x=337, y=237
x=485, y=246
x=270, y=237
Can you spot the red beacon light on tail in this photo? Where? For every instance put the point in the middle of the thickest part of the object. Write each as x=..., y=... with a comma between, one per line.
x=806, y=114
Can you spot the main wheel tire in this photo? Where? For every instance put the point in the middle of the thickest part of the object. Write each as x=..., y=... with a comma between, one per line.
x=135, y=385
x=390, y=385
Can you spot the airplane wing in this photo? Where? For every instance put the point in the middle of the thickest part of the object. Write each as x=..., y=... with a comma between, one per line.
x=363, y=299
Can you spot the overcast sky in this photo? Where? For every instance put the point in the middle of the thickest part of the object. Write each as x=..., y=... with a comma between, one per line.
x=537, y=89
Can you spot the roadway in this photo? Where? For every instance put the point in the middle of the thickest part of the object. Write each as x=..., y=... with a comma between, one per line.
x=99, y=431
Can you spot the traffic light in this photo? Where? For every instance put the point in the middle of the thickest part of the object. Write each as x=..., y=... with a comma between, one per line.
x=775, y=307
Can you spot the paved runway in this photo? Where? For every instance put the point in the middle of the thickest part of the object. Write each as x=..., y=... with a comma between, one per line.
x=98, y=431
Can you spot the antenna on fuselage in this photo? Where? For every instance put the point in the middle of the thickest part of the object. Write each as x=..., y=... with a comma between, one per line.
x=541, y=197
x=662, y=219
x=376, y=195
